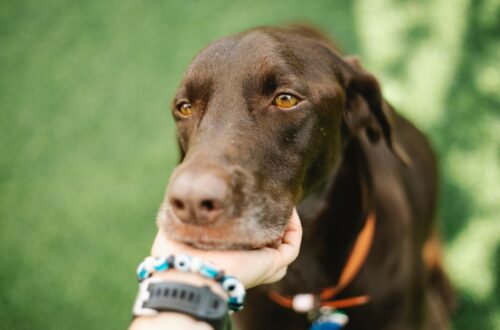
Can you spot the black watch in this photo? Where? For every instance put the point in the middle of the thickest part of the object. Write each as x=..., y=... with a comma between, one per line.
x=156, y=295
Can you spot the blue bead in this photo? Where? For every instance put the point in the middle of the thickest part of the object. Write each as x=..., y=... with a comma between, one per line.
x=236, y=307
x=325, y=326
x=208, y=271
x=143, y=274
x=161, y=267
x=233, y=301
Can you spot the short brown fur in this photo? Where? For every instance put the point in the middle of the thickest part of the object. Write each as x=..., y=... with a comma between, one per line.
x=341, y=153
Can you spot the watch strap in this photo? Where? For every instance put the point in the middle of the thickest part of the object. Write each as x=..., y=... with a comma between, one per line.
x=198, y=302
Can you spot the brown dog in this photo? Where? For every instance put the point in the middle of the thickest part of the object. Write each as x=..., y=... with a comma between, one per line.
x=273, y=118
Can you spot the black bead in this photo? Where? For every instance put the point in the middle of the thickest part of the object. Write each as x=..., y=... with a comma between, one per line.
x=170, y=261
x=220, y=276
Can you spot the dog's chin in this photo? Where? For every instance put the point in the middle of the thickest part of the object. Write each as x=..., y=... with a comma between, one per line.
x=205, y=243
x=224, y=237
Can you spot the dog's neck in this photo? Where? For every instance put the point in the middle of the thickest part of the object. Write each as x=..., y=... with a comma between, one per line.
x=334, y=213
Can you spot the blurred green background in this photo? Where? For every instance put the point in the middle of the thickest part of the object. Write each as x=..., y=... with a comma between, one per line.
x=87, y=143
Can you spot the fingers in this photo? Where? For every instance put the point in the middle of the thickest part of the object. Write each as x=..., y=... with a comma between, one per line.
x=278, y=275
x=251, y=267
x=291, y=240
x=293, y=232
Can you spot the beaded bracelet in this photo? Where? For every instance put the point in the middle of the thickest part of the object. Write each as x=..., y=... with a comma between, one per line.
x=186, y=263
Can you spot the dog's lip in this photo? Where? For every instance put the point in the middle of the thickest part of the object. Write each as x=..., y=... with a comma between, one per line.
x=214, y=244
x=198, y=241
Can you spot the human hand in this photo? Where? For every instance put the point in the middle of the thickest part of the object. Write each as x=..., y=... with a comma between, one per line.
x=251, y=267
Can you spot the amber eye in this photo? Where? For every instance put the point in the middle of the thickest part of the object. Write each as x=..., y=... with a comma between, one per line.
x=285, y=101
x=185, y=109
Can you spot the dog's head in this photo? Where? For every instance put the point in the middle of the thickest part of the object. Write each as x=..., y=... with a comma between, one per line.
x=262, y=117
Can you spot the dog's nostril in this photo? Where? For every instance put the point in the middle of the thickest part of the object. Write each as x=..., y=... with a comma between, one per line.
x=207, y=205
x=178, y=204
x=198, y=197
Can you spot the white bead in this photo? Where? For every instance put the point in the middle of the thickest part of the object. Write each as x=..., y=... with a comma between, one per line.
x=229, y=284
x=182, y=262
x=140, y=267
x=149, y=264
x=238, y=292
x=303, y=302
x=196, y=264
x=234, y=289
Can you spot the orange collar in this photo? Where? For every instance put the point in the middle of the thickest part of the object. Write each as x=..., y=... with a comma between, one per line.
x=307, y=302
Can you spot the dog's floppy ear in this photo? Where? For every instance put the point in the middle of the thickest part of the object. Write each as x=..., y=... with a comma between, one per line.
x=365, y=108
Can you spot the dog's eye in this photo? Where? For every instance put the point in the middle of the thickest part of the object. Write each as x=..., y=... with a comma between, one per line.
x=285, y=101
x=185, y=109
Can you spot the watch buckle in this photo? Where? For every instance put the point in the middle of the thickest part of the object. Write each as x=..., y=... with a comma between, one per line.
x=142, y=297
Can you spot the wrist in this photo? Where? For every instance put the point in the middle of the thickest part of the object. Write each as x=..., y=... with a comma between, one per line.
x=182, y=284
x=186, y=264
x=168, y=320
x=173, y=319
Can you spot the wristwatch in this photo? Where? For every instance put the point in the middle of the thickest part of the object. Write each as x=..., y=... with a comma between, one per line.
x=156, y=295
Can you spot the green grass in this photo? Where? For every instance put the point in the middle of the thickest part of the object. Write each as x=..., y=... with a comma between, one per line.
x=87, y=143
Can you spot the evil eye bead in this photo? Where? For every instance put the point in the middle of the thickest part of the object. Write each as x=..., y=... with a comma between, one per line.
x=229, y=284
x=234, y=288
x=161, y=264
x=182, y=262
x=196, y=264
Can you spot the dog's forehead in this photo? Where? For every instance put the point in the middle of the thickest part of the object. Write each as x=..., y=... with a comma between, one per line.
x=254, y=51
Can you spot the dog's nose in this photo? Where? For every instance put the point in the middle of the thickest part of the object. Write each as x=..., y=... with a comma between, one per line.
x=198, y=197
